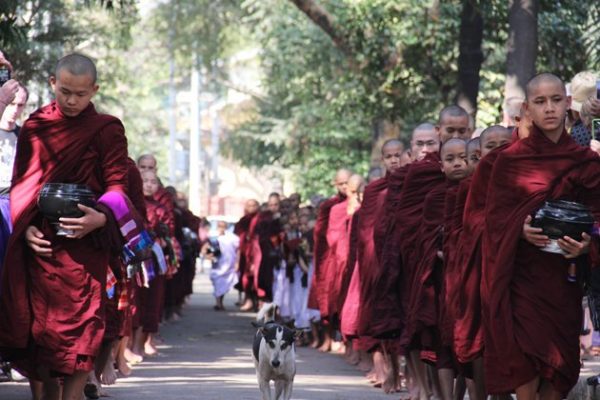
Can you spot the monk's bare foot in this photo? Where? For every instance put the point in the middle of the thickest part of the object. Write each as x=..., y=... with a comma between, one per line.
x=109, y=375
x=353, y=357
x=123, y=365
x=149, y=348
x=247, y=306
x=326, y=346
x=132, y=357
x=372, y=375
x=366, y=363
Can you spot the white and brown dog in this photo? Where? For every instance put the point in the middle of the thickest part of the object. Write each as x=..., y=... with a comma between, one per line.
x=274, y=354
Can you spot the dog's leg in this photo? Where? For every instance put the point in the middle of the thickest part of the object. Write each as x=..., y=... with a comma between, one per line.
x=287, y=389
x=279, y=388
x=265, y=389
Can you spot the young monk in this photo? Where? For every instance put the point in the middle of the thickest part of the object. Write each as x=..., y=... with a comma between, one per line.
x=473, y=154
x=244, y=229
x=454, y=122
x=161, y=226
x=528, y=304
x=54, y=328
x=322, y=255
x=470, y=202
x=426, y=308
x=223, y=274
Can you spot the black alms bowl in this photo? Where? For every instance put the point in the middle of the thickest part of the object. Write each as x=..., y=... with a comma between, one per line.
x=559, y=218
x=58, y=200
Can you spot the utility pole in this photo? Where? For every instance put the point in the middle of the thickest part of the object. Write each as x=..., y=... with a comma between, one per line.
x=194, y=186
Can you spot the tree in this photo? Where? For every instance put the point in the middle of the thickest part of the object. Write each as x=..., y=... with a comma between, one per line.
x=522, y=46
x=470, y=56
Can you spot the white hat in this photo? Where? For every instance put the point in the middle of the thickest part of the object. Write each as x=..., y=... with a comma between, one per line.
x=583, y=86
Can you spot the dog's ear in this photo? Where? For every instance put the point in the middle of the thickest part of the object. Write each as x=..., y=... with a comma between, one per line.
x=257, y=324
x=298, y=333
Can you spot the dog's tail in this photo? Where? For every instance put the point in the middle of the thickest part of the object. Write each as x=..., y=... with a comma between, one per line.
x=267, y=313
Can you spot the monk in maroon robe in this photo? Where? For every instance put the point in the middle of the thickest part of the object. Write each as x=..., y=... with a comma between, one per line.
x=338, y=239
x=322, y=254
x=470, y=205
x=531, y=311
x=245, y=231
x=363, y=251
x=55, y=327
x=269, y=235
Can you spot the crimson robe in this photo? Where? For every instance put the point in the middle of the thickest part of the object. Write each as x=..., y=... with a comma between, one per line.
x=398, y=259
x=338, y=240
x=322, y=255
x=268, y=234
x=531, y=313
x=375, y=300
x=59, y=321
x=242, y=230
x=468, y=335
x=422, y=310
x=161, y=224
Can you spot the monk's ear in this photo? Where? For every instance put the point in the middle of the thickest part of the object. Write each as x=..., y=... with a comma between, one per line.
x=569, y=101
x=52, y=82
x=95, y=89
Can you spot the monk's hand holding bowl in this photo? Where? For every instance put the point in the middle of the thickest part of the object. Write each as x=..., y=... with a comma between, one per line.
x=574, y=248
x=534, y=235
x=35, y=240
x=90, y=221
x=595, y=145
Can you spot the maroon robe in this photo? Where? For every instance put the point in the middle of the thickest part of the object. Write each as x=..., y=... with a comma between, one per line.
x=532, y=314
x=422, y=311
x=61, y=317
x=376, y=300
x=242, y=230
x=269, y=235
x=160, y=224
x=338, y=240
x=398, y=260
x=322, y=256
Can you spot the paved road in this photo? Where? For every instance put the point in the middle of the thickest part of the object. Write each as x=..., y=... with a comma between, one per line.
x=207, y=355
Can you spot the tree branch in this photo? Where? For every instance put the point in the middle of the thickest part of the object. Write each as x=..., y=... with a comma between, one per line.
x=327, y=23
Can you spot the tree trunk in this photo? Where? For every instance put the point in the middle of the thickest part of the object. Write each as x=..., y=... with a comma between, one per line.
x=522, y=46
x=470, y=57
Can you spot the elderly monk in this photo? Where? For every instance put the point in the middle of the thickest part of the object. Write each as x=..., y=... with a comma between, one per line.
x=531, y=311
x=322, y=254
x=55, y=327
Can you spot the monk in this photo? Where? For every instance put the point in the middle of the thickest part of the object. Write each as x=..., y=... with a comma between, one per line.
x=244, y=229
x=528, y=304
x=269, y=234
x=473, y=154
x=322, y=256
x=161, y=226
x=55, y=327
x=470, y=201
x=366, y=260
x=223, y=275
x=454, y=122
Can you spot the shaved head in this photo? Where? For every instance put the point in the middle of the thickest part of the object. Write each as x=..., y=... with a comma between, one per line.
x=391, y=152
x=341, y=180
x=535, y=82
x=425, y=139
x=147, y=162
x=77, y=64
x=451, y=144
x=453, y=111
x=392, y=143
x=495, y=129
x=494, y=136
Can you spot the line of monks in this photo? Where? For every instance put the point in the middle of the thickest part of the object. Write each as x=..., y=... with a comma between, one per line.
x=77, y=301
x=437, y=266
